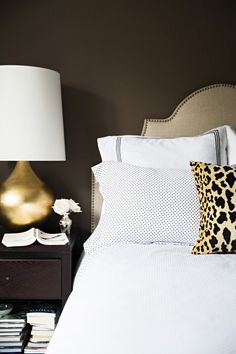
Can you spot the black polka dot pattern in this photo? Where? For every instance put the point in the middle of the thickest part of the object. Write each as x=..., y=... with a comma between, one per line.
x=144, y=205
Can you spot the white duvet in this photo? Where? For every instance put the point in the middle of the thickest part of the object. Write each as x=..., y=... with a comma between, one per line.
x=150, y=299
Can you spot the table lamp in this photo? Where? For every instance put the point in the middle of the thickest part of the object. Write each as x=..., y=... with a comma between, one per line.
x=31, y=129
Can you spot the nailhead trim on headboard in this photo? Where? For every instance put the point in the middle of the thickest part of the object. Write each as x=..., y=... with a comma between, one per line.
x=93, y=203
x=148, y=120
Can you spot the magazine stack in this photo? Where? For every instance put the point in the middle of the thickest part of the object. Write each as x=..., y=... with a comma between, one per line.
x=14, y=333
x=43, y=322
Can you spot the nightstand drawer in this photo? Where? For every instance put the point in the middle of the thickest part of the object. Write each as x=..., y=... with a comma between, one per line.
x=30, y=279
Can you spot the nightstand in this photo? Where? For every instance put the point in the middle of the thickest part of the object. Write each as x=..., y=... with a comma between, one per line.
x=36, y=272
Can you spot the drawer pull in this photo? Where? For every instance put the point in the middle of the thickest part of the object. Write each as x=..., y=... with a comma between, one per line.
x=7, y=278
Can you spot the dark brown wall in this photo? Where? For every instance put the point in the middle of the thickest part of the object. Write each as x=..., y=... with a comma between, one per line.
x=120, y=61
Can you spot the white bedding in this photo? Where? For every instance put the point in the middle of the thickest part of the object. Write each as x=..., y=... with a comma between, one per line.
x=150, y=299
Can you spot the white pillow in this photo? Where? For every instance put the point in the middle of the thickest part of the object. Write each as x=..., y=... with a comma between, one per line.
x=144, y=205
x=231, y=136
x=166, y=152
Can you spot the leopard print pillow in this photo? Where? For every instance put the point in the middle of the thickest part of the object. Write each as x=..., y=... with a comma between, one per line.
x=216, y=187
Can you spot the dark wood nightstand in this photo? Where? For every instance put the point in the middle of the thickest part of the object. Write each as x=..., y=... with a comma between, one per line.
x=36, y=272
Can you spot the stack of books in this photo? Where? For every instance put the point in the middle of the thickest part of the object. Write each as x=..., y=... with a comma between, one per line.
x=14, y=333
x=43, y=322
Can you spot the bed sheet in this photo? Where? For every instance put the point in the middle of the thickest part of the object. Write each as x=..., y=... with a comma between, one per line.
x=149, y=299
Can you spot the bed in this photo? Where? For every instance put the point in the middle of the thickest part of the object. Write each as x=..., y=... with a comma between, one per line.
x=139, y=289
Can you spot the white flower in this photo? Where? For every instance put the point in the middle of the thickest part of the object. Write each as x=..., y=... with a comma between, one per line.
x=74, y=207
x=65, y=206
x=61, y=206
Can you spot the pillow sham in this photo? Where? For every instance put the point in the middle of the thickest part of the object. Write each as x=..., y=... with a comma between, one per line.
x=166, y=152
x=216, y=187
x=144, y=205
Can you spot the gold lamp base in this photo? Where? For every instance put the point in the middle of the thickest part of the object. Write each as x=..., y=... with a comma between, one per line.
x=25, y=201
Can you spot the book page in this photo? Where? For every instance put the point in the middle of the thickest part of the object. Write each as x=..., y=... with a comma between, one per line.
x=51, y=239
x=25, y=238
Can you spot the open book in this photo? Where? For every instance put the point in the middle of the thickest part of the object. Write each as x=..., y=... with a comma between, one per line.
x=28, y=237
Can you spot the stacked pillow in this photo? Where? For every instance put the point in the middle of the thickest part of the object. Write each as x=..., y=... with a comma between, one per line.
x=157, y=152
x=148, y=188
x=144, y=205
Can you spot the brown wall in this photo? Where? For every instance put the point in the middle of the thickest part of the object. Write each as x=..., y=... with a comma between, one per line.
x=120, y=61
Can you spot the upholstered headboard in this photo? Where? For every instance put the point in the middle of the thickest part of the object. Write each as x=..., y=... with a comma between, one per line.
x=204, y=109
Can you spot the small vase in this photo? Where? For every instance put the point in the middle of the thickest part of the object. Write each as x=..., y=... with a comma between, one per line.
x=65, y=224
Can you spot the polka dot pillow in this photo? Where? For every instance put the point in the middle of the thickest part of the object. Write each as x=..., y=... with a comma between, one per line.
x=216, y=187
x=144, y=205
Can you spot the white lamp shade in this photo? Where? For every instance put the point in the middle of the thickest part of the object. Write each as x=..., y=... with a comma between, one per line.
x=31, y=121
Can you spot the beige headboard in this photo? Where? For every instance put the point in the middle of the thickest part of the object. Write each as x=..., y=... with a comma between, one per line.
x=204, y=109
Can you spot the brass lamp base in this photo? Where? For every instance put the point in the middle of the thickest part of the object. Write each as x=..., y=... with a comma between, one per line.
x=25, y=201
